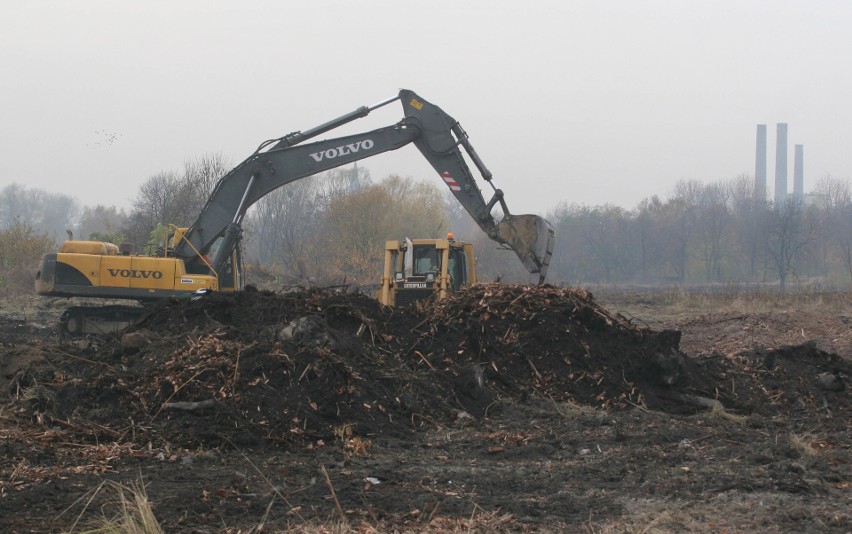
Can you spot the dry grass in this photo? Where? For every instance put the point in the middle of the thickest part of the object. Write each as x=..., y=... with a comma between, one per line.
x=497, y=525
x=719, y=413
x=128, y=511
x=131, y=513
x=664, y=522
x=479, y=524
x=724, y=512
x=726, y=298
x=572, y=410
x=762, y=301
x=804, y=444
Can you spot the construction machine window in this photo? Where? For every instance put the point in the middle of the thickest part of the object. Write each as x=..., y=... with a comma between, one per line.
x=426, y=259
x=227, y=279
x=457, y=268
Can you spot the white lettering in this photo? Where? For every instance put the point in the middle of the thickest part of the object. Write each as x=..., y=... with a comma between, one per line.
x=127, y=273
x=343, y=150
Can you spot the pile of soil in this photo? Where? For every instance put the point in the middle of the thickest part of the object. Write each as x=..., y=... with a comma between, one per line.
x=504, y=408
x=260, y=367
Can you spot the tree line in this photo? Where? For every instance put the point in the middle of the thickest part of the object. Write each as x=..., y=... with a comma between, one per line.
x=709, y=234
x=331, y=228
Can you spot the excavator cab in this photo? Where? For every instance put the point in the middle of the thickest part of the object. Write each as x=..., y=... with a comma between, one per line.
x=229, y=276
x=416, y=269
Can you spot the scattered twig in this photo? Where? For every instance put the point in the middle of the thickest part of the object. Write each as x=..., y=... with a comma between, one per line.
x=108, y=431
x=189, y=406
x=643, y=408
x=193, y=377
x=532, y=366
x=265, y=479
x=53, y=349
x=334, y=495
x=236, y=370
x=420, y=354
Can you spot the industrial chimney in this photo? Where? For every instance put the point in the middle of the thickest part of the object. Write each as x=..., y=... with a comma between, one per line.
x=760, y=166
x=799, y=173
x=781, y=164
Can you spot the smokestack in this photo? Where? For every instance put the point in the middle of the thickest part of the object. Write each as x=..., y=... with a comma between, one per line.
x=799, y=173
x=781, y=164
x=760, y=165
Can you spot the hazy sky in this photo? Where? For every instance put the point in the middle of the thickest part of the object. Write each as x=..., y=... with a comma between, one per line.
x=591, y=102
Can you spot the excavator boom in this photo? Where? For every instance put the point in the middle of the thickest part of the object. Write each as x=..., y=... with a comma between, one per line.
x=436, y=134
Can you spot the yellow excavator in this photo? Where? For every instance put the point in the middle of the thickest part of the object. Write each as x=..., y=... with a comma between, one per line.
x=206, y=256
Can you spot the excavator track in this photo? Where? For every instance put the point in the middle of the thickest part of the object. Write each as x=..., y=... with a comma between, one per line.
x=80, y=321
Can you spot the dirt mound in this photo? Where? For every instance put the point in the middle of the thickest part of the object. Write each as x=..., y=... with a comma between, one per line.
x=304, y=367
x=311, y=405
x=792, y=379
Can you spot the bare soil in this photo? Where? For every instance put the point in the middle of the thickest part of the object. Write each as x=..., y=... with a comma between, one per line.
x=506, y=408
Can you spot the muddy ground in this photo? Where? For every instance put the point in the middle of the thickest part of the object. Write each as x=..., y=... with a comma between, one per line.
x=508, y=408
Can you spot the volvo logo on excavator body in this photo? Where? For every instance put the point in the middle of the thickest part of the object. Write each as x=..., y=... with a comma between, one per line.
x=343, y=150
x=134, y=273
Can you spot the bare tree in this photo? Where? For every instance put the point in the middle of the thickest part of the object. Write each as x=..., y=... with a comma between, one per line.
x=103, y=223
x=339, y=182
x=156, y=202
x=831, y=192
x=713, y=224
x=356, y=226
x=47, y=213
x=13, y=205
x=199, y=178
x=834, y=196
x=788, y=232
x=648, y=217
x=606, y=235
x=20, y=248
x=172, y=198
x=843, y=236
x=680, y=215
x=747, y=217
x=284, y=225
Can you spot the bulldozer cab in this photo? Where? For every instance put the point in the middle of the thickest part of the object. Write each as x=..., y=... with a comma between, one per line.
x=417, y=269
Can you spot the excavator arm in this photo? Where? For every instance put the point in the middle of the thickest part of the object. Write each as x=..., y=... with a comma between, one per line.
x=440, y=139
x=280, y=161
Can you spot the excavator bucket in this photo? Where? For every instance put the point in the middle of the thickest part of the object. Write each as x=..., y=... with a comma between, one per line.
x=532, y=238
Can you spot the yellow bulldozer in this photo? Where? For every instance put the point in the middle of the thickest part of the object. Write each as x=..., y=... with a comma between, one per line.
x=416, y=269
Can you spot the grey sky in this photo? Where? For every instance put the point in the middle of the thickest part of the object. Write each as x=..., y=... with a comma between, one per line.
x=591, y=102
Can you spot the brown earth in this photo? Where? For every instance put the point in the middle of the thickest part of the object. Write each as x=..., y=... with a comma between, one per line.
x=505, y=408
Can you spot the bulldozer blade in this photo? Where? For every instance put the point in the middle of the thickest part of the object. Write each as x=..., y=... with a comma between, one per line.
x=532, y=239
